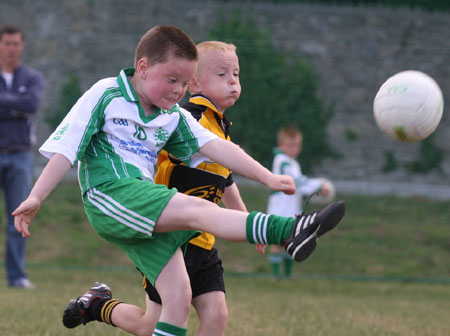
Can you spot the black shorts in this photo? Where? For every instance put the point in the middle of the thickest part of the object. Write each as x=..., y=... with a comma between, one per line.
x=204, y=269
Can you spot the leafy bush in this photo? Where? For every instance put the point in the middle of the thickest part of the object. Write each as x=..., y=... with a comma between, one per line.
x=431, y=157
x=390, y=163
x=277, y=91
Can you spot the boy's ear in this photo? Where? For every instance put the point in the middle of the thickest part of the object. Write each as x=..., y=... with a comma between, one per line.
x=194, y=86
x=142, y=67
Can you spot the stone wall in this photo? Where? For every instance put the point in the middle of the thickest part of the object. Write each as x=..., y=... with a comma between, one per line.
x=353, y=49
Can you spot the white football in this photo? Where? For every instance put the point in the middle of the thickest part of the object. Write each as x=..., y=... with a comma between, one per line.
x=408, y=106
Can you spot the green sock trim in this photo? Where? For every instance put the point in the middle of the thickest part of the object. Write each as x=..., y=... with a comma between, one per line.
x=267, y=229
x=279, y=229
x=249, y=227
x=165, y=329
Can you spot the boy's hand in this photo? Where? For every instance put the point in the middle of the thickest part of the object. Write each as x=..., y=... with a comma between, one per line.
x=24, y=214
x=261, y=248
x=324, y=190
x=282, y=183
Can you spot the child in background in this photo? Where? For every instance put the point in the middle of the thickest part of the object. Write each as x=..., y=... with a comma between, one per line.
x=285, y=162
x=115, y=131
x=214, y=89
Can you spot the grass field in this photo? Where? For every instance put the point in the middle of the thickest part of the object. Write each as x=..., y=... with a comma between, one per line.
x=384, y=271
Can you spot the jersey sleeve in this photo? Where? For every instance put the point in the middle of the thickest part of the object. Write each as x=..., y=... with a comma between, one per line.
x=74, y=133
x=306, y=185
x=286, y=166
x=187, y=139
x=281, y=165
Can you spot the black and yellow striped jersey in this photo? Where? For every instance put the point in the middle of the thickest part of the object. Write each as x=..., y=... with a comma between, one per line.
x=209, y=179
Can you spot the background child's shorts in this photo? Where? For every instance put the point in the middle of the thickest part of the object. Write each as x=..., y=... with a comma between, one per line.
x=125, y=211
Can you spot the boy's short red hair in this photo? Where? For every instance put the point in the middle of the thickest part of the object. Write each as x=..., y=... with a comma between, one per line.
x=158, y=42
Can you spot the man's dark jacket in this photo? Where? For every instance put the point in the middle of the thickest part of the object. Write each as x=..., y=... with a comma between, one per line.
x=17, y=106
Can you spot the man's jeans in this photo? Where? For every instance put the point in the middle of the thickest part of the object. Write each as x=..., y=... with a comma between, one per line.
x=16, y=174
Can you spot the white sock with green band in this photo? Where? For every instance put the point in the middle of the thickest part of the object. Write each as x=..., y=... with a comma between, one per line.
x=166, y=329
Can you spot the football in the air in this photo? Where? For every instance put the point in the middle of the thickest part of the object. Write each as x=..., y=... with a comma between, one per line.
x=408, y=107
x=322, y=199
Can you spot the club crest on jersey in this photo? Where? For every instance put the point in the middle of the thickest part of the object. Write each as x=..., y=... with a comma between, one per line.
x=161, y=136
x=140, y=133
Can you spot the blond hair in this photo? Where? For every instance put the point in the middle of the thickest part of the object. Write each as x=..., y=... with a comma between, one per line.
x=215, y=45
x=203, y=48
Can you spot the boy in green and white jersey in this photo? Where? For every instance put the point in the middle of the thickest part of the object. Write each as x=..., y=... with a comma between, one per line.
x=115, y=132
x=108, y=132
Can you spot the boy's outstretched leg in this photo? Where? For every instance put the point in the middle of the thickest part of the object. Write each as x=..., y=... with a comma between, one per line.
x=298, y=235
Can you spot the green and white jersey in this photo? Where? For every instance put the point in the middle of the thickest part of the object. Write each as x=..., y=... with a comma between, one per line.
x=107, y=132
x=290, y=205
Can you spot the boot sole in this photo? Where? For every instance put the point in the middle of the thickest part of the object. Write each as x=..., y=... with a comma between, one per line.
x=304, y=250
x=330, y=217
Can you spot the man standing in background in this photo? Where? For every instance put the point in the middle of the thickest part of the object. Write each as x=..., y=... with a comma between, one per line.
x=21, y=91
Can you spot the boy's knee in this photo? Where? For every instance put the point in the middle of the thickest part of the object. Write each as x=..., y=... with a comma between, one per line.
x=216, y=315
x=145, y=331
x=180, y=297
x=221, y=315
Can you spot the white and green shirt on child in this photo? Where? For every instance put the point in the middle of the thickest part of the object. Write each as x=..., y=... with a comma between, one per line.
x=113, y=139
x=290, y=205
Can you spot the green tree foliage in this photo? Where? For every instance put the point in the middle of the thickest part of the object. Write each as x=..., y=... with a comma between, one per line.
x=277, y=91
x=390, y=162
x=69, y=94
x=431, y=157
